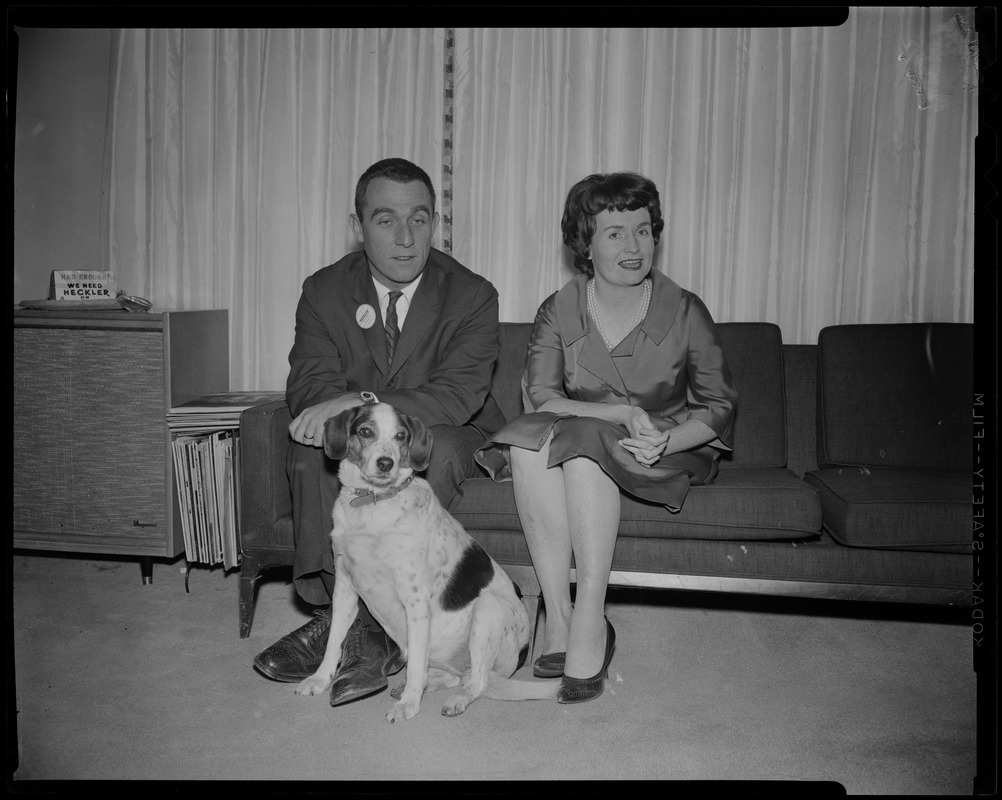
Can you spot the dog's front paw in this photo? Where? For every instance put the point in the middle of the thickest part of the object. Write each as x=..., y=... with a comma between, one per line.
x=317, y=683
x=403, y=710
x=456, y=705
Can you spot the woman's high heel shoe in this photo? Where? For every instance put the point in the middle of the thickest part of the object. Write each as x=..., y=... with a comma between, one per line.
x=578, y=690
x=549, y=665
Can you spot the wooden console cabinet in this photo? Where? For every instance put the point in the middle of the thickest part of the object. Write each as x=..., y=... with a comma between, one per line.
x=93, y=470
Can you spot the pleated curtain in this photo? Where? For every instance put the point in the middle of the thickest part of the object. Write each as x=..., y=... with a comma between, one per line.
x=810, y=176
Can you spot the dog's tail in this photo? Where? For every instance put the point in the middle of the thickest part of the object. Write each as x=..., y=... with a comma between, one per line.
x=501, y=688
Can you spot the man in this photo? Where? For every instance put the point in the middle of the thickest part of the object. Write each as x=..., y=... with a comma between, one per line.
x=417, y=329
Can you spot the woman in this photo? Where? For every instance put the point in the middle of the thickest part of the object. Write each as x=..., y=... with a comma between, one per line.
x=626, y=388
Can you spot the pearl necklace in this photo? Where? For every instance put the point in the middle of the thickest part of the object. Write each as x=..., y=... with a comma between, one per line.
x=593, y=310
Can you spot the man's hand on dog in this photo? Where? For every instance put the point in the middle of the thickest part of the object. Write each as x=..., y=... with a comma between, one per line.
x=308, y=427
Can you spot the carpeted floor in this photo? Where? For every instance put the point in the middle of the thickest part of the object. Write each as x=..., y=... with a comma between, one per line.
x=120, y=680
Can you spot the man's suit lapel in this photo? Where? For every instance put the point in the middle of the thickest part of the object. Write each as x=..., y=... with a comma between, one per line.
x=364, y=293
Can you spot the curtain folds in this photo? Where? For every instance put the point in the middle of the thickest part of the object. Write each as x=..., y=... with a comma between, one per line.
x=807, y=174
x=232, y=163
x=810, y=176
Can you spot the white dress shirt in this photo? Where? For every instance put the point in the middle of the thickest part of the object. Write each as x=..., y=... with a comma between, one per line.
x=403, y=303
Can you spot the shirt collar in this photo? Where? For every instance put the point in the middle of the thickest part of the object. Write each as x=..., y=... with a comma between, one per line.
x=408, y=291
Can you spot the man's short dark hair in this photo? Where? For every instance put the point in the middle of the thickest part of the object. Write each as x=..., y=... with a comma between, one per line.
x=616, y=191
x=398, y=170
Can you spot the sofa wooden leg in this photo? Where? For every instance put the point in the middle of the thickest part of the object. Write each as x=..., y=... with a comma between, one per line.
x=250, y=571
x=535, y=608
x=525, y=578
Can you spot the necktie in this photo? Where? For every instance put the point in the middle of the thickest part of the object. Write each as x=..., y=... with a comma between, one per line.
x=392, y=331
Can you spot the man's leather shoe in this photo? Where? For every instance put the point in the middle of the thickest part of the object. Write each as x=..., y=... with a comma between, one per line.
x=297, y=655
x=367, y=658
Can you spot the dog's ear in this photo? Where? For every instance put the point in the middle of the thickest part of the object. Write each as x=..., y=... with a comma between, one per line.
x=419, y=446
x=336, y=432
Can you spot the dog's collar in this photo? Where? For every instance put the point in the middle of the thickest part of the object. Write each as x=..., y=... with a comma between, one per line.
x=366, y=496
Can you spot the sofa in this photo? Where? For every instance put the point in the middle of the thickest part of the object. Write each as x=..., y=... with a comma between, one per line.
x=850, y=477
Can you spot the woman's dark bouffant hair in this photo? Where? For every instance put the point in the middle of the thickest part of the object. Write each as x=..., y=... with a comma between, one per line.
x=616, y=191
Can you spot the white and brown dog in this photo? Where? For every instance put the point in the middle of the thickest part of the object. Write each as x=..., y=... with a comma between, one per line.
x=450, y=608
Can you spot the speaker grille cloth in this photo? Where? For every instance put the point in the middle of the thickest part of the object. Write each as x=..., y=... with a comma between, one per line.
x=89, y=440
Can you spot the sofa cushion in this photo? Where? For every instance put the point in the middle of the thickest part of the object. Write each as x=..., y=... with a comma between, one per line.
x=745, y=503
x=816, y=568
x=905, y=509
x=754, y=353
x=506, y=385
x=896, y=395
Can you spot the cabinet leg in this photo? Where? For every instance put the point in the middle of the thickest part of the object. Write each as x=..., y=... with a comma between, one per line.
x=146, y=566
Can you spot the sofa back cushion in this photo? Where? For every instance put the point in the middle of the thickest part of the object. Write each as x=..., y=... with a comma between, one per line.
x=506, y=385
x=755, y=355
x=896, y=395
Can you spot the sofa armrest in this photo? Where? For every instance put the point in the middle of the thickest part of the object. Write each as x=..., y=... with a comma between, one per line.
x=264, y=486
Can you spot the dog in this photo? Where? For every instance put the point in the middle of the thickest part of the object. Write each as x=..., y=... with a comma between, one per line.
x=453, y=611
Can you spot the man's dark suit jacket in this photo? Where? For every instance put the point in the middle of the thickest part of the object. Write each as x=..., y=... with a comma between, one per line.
x=445, y=354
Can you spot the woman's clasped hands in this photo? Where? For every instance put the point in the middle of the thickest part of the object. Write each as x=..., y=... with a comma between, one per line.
x=646, y=442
